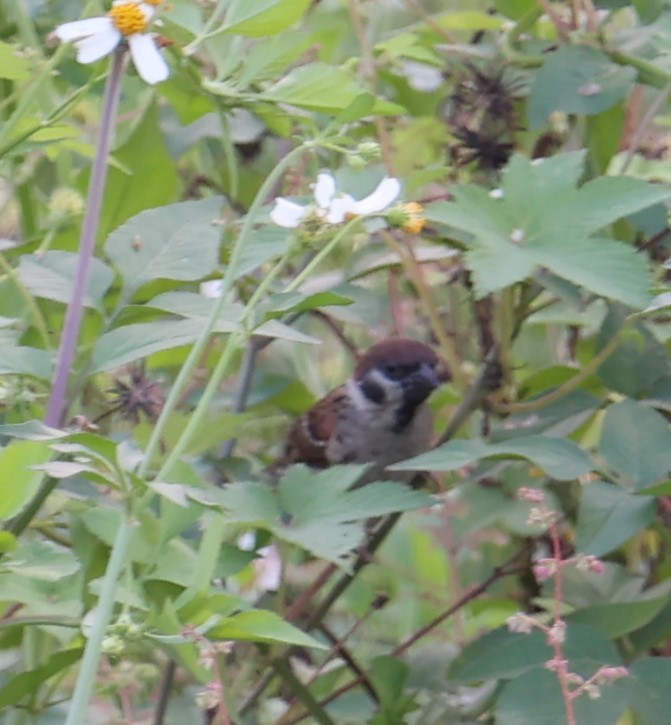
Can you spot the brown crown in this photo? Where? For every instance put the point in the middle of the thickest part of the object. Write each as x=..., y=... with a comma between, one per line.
x=401, y=350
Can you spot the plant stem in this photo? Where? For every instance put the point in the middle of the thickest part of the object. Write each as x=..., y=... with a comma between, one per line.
x=92, y=653
x=68, y=345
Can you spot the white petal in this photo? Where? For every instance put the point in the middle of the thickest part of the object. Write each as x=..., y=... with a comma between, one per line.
x=149, y=62
x=247, y=541
x=384, y=195
x=340, y=207
x=268, y=569
x=287, y=213
x=324, y=190
x=212, y=288
x=98, y=46
x=82, y=28
x=148, y=10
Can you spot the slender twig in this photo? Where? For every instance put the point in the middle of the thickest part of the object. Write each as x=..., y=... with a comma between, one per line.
x=165, y=690
x=506, y=569
x=476, y=591
x=68, y=345
x=347, y=657
x=413, y=269
x=643, y=126
x=569, y=386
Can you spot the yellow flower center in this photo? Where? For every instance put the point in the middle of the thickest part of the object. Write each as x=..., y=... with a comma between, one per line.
x=414, y=221
x=129, y=18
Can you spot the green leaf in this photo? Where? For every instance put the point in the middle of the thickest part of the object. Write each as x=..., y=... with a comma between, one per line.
x=639, y=361
x=13, y=65
x=326, y=525
x=560, y=458
x=160, y=243
x=149, y=177
x=636, y=443
x=323, y=88
x=604, y=266
x=280, y=304
x=258, y=18
x=50, y=275
x=602, y=201
x=42, y=561
x=133, y=342
x=535, y=698
x=17, y=360
x=577, y=79
x=507, y=655
x=30, y=681
x=542, y=223
x=19, y=482
x=615, y=619
x=33, y=430
x=389, y=677
x=648, y=683
x=198, y=307
x=608, y=516
x=261, y=626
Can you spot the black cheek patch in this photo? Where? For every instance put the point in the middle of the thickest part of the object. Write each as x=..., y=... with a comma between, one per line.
x=373, y=391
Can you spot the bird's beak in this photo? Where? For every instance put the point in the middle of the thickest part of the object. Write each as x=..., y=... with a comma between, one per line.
x=442, y=372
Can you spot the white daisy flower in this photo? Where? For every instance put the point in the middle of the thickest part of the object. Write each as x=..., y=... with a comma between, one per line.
x=95, y=38
x=332, y=207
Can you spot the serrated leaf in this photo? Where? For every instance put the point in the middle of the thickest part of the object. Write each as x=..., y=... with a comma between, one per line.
x=42, y=561
x=636, y=443
x=542, y=224
x=326, y=525
x=258, y=18
x=602, y=201
x=50, y=275
x=604, y=266
x=560, y=458
x=321, y=87
x=160, y=244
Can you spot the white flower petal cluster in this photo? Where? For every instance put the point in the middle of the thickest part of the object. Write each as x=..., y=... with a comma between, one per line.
x=95, y=38
x=334, y=207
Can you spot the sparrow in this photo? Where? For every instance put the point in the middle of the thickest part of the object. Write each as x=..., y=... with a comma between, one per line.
x=379, y=416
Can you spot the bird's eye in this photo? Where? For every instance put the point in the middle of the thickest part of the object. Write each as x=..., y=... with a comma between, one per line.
x=396, y=371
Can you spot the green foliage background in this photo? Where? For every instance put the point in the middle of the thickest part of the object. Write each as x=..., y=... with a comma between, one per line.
x=535, y=137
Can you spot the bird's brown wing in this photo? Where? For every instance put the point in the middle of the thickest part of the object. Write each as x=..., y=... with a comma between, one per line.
x=309, y=436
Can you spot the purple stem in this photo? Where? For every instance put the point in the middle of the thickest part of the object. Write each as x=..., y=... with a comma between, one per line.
x=68, y=346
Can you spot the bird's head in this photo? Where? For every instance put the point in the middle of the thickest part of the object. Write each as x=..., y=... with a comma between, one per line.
x=400, y=373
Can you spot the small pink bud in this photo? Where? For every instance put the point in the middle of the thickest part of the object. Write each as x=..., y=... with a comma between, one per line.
x=534, y=495
x=557, y=633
